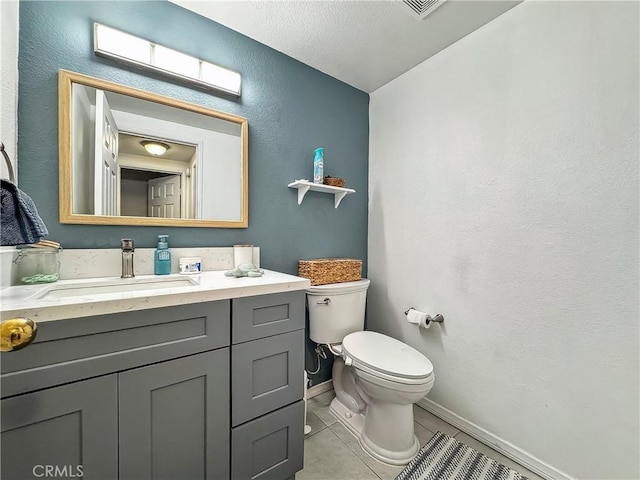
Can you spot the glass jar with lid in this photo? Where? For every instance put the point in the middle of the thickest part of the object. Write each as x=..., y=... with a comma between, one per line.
x=38, y=265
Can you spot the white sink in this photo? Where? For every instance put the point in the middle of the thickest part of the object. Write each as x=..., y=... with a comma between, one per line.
x=116, y=285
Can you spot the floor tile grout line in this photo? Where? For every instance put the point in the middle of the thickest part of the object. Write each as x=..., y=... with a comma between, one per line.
x=316, y=431
x=438, y=429
x=431, y=414
x=352, y=450
x=356, y=452
x=427, y=429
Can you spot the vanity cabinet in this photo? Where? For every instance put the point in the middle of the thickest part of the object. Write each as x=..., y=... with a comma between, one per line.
x=267, y=386
x=202, y=391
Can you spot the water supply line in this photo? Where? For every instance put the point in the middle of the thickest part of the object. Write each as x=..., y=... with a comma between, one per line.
x=319, y=353
x=337, y=353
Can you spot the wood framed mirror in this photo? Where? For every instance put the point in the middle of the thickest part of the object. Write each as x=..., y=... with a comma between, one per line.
x=131, y=157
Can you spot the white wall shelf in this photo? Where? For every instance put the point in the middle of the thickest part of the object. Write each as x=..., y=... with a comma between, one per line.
x=304, y=186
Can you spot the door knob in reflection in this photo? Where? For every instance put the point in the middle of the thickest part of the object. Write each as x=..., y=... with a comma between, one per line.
x=17, y=333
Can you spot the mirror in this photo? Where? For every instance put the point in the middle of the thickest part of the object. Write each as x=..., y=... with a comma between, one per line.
x=130, y=157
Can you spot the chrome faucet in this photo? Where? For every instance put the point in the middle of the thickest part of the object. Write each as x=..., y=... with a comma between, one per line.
x=126, y=244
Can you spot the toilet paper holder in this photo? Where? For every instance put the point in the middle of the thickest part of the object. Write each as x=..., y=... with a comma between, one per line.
x=439, y=318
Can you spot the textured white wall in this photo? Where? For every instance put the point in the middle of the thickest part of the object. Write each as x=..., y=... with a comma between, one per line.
x=503, y=193
x=9, y=83
x=220, y=174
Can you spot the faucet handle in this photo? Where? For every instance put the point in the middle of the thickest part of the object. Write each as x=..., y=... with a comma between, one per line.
x=127, y=244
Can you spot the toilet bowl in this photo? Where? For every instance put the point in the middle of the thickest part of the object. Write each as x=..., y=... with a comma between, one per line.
x=376, y=378
x=382, y=378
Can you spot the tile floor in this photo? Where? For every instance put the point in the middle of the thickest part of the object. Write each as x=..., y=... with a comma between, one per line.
x=331, y=452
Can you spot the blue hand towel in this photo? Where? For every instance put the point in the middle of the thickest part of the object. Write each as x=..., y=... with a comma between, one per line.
x=19, y=220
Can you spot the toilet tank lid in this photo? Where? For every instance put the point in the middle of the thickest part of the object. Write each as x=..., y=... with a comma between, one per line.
x=339, y=288
x=387, y=355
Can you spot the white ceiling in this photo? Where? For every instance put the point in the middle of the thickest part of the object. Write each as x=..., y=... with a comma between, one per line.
x=363, y=43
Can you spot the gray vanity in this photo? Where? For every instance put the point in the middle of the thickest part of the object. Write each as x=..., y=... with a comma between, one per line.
x=205, y=390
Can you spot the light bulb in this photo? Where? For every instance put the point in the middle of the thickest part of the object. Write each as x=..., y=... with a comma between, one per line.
x=155, y=148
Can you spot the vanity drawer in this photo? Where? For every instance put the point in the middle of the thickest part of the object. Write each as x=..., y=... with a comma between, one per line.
x=270, y=447
x=69, y=350
x=266, y=315
x=266, y=374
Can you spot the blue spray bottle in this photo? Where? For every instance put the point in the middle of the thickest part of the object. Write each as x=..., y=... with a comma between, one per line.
x=318, y=166
x=162, y=257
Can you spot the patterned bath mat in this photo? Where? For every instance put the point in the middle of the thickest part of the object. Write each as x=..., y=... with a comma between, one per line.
x=445, y=458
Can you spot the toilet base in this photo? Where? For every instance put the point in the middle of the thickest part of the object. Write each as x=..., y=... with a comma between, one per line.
x=354, y=423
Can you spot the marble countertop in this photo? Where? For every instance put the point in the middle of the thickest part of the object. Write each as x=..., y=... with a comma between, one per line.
x=33, y=302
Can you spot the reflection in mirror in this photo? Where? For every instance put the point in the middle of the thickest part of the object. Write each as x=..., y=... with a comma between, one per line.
x=133, y=157
x=148, y=182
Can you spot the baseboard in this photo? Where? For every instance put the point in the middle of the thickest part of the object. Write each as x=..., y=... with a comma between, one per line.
x=507, y=449
x=319, y=388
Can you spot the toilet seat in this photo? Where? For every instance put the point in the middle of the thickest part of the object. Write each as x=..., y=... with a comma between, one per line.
x=386, y=357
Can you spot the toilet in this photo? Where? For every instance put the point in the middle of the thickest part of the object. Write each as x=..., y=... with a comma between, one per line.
x=376, y=378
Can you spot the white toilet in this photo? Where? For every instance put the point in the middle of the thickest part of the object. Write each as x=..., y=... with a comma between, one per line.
x=376, y=378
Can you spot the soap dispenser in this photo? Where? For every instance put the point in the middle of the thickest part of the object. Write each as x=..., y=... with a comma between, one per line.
x=162, y=259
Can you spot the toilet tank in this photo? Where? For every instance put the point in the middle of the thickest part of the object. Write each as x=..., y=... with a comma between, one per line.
x=336, y=310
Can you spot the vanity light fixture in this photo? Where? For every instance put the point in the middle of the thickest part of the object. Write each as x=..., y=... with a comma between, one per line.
x=155, y=148
x=111, y=43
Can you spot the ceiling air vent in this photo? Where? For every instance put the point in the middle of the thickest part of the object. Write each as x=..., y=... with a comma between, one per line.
x=421, y=8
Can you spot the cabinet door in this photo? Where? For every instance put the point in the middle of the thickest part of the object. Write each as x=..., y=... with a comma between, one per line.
x=270, y=447
x=267, y=374
x=67, y=431
x=174, y=419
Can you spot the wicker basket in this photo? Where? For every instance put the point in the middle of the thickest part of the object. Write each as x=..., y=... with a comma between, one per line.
x=322, y=271
x=334, y=181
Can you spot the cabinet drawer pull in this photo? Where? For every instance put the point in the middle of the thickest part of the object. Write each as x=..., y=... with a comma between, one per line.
x=17, y=333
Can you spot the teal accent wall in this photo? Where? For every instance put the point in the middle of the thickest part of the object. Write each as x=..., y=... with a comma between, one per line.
x=292, y=109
